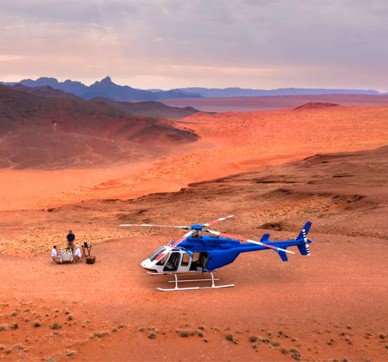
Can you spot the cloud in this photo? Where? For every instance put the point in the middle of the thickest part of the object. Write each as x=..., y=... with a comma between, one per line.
x=260, y=39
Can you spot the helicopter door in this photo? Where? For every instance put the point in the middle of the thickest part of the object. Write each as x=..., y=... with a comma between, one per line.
x=173, y=262
x=199, y=261
x=185, y=263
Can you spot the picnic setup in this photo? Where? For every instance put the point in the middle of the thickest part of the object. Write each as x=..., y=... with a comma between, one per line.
x=73, y=253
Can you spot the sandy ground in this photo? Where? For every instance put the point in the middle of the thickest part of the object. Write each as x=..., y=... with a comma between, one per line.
x=330, y=306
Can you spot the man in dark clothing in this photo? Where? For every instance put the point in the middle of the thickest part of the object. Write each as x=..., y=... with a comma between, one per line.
x=70, y=240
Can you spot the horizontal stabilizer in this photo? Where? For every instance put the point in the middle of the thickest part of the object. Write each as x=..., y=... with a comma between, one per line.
x=264, y=238
x=283, y=255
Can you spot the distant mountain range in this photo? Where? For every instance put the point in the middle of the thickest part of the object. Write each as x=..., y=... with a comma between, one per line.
x=104, y=88
x=107, y=89
x=240, y=92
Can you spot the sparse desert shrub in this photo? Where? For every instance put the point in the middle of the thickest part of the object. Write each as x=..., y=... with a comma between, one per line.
x=100, y=334
x=200, y=334
x=70, y=317
x=14, y=314
x=284, y=351
x=253, y=339
x=229, y=337
x=295, y=354
x=281, y=334
x=202, y=328
x=154, y=329
x=114, y=330
x=56, y=326
x=14, y=326
x=264, y=340
x=183, y=333
x=18, y=347
x=70, y=353
x=1, y=347
x=37, y=323
x=152, y=335
x=3, y=327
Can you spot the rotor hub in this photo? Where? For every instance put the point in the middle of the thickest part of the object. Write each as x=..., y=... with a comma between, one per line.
x=196, y=227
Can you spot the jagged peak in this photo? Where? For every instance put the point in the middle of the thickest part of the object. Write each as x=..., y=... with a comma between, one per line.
x=107, y=79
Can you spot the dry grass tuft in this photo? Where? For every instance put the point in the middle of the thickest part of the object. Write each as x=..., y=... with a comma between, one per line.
x=37, y=323
x=56, y=326
x=70, y=353
x=229, y=337
x=100, y=334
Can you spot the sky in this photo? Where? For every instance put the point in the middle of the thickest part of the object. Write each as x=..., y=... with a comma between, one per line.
x=166, y=44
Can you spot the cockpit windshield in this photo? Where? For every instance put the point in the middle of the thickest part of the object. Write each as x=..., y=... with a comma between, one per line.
x=157, y=252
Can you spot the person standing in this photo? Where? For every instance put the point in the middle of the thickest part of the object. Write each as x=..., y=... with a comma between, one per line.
x=70, y=240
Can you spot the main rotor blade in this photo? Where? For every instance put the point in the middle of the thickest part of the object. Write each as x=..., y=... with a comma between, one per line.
x=184, y=237
x=230, y=236
x=159, y=226
x=210, y=223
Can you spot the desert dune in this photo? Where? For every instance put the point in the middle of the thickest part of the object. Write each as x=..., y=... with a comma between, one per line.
x=273, y=170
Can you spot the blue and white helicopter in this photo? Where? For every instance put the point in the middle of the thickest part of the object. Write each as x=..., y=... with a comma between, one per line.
x=203, y=250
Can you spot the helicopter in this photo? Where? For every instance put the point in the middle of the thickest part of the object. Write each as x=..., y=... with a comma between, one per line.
x=202, y=250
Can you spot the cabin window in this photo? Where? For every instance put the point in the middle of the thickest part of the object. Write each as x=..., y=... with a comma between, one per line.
x=196, y=256
x=173, y=262
x=185, y=259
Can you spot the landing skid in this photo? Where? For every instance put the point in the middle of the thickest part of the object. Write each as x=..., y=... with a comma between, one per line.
x=176, y=281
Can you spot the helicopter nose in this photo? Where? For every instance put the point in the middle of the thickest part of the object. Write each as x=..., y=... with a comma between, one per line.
x=145, y=263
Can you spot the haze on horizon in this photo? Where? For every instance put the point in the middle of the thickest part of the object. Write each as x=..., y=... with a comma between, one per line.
x=168, y=44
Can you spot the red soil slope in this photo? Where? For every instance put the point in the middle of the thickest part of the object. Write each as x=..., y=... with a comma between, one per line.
x=61, y=132
x=229, y=143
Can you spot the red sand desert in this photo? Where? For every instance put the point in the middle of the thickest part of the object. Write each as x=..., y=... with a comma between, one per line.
x=273, y=170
